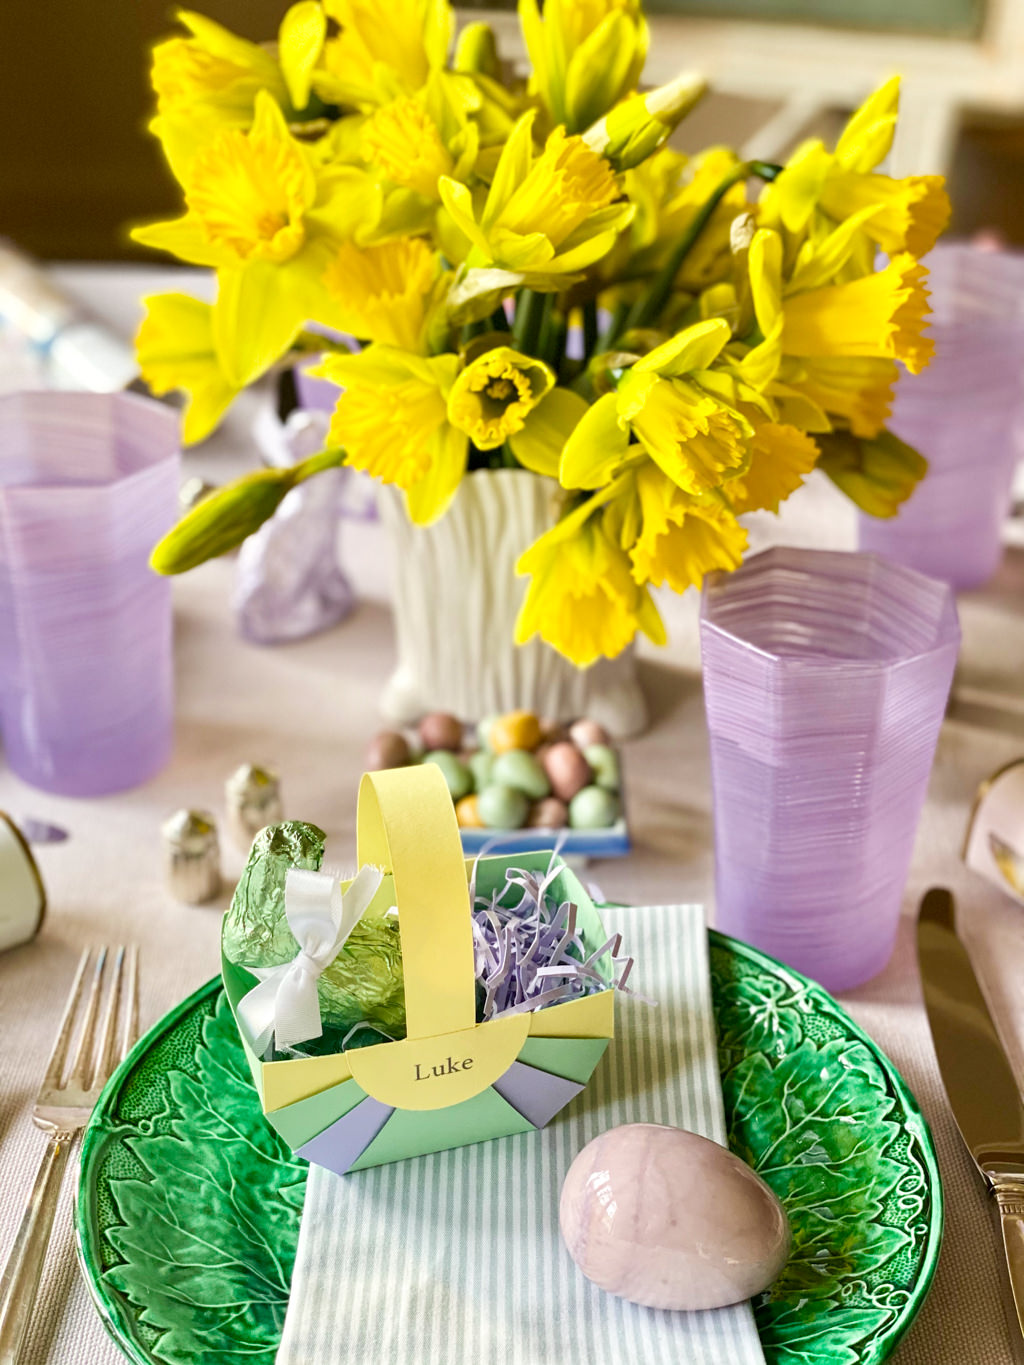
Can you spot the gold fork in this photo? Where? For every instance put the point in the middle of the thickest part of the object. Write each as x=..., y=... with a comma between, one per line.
x=62, y=1110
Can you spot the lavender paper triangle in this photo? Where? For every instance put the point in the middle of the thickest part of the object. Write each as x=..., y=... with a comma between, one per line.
x=537, y=1095
x=338, y=1146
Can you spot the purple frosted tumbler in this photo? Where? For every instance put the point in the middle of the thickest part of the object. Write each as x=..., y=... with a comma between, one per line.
x=826, y=677
x=961, y=413
x=88, y=484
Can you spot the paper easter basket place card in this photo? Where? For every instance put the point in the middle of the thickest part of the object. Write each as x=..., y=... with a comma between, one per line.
x=409, y=1041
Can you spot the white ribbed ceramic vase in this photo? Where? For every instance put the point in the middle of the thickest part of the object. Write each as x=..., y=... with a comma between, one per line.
x=456, y=598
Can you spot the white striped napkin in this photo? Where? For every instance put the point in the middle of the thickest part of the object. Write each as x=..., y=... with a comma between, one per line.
x=456, y=1258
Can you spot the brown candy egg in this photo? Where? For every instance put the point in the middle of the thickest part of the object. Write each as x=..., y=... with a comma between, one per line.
x=388, y=749
x=440, y=730
x=548, y=813
x=584, y=732
x=568, y=771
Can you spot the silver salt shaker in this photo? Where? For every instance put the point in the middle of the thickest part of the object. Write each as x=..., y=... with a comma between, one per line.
x=192, y=856
x=253, y=799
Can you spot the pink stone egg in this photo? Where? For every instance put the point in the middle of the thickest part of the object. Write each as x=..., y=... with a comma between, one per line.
x=440, y=730
x=568, y=771
x=668, y=1219
x=583, y=732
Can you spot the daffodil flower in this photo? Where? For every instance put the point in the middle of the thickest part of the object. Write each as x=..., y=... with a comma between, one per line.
x=205, y=83
x=494, y=395
x=377, y=58
x=388, y=292
x=582, y=598
x=832, y=186
x=878, y=474
x=392, y=421
x=268, y=217
x=781, y=457
x=671, y=537
x=586, y=55
x=665, y=401
x=543, y=218
x=175, y=350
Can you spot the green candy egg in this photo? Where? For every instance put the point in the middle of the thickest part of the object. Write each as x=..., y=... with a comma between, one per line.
x=521, y=770
x=605, y=762
x=483, y=731
x=502, y=807
x=593, y=808
x=456, y=774
x=480, y=765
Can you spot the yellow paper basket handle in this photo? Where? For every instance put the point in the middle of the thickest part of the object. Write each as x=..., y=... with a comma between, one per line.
x=406, y=825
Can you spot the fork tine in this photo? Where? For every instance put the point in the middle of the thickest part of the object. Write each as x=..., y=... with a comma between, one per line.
x=131, y=1018
x=55, y=1067
x=106, y=1057
x=81, y=1067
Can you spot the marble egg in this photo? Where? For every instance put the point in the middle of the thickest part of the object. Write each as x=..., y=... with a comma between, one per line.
x=389, y=749
x=439, y=730
x=521, y=770
x=604, y=763
x=456, y=774
x=668, y=1219
x=568, y=771
x=594, y=808
x=502, y=807
x=467, y=812
x=548, y=813
x=584, y=732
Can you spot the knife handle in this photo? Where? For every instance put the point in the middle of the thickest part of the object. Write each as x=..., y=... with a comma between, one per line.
x=1010, y=1199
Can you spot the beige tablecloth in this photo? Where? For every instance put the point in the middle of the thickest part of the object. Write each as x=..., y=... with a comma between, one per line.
x=307, y=709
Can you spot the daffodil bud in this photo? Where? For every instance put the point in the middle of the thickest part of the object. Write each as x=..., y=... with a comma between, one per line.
x=630, y=132
x=224, y=519
x=877, y=474
x=476, y=52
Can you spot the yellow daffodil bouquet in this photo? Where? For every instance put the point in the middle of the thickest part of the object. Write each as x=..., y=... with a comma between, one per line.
x=532, y=278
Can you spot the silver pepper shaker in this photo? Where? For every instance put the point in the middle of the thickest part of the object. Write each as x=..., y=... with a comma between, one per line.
x=253, y=799
x=192, y=856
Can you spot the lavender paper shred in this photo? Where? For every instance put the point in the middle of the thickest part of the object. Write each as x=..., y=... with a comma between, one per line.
x=531, y=954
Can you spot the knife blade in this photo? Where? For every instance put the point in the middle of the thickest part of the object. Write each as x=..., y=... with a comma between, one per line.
x=980, y=1085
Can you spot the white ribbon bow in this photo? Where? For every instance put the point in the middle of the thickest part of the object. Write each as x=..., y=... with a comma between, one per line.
x=285, y=1005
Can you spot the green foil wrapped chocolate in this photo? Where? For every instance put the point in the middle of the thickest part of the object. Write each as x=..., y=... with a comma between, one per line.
x=363, y=985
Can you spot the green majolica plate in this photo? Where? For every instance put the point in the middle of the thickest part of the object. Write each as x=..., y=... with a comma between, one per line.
x=189, y=1204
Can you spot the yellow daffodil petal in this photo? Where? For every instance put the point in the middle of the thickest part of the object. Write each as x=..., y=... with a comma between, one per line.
x=878, y=475
x=694, y=439
x=404, y=141
x=258, y=314
x=764, y=264
x=430, y=497
x=596, y=447
x=300, y=41
x=781, y=458
x=540, y=443
x=857, y=389
x=694, y=348
x=382, y=292
x=795, y=191
x=908, y=215
x=880, y=315
x=680, y=540
x=867, y=137
x=186, y=239
x=175, y=350
x=493, y=396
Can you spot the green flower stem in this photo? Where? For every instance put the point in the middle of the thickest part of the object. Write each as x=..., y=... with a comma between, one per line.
x=547, y=332
x=649, y=306
x=589, y=329
x=529, y=314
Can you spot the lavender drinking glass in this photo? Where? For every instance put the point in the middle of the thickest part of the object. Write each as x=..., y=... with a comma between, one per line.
x=961, y=413
x=826, y=677
x=88, y=484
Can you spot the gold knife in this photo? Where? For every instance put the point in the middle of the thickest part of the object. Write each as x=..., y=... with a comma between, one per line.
x=980, y=1085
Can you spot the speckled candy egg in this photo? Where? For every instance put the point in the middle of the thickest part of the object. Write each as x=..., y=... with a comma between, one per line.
x=668, y=1219
x=584, y=732
x=389, y=749
x=515, y=730
x=456, y=774
x=481, y=765
x=594, y=808
x=550, y=813
x=502, y=807
x=521, y=770
x=440, y=730
x=568, y=771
